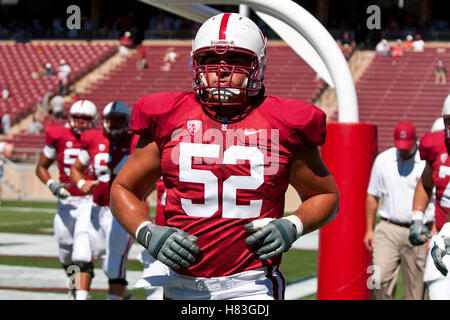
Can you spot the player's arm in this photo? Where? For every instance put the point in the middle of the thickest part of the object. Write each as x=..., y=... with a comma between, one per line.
x=57, y=188
x=77, y=174
x=320, y=202
x=418, y=231
x=173, y=247
x=442, y=241
x=132, y=185
x=424, y=189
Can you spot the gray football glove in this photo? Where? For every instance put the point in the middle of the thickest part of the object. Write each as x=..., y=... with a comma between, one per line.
x=440, y=249
x=275, y=237
x=173, y=247
x=417, y=231
x=59, y=189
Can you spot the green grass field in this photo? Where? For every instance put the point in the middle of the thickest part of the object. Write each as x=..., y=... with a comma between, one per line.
x=37, y=218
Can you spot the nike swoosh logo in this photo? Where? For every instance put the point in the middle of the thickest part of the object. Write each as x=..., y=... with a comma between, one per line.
x=247, y=132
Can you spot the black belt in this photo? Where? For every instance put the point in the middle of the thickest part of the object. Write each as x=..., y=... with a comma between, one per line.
x=405, y=225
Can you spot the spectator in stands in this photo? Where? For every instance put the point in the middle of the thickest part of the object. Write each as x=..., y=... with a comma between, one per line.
x=35, y=127
x=64, y=71
x=45, y=103
x=347, y=45
x=169, y=59
x=125, y=44
x=408, y=44
x=47, y=70
x=6, y=123
x=418, y=43
x=5, y=93
x=7, y=147
x=141, y=62
x=397, y=51
x=440, y=75
x=382, y=48
x=57, y=106
x=393, y=179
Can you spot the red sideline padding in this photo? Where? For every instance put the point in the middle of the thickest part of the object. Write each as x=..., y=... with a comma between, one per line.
x=348, y=152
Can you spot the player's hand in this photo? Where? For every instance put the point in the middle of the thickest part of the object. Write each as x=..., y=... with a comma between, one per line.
x=87, y=185
x=440, y=249
x=418, y=233
x=275, y=236
x=59, y=189
x=173, y=247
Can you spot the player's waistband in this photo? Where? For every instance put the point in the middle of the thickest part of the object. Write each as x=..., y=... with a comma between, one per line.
x=220, y=283
x=73, y=199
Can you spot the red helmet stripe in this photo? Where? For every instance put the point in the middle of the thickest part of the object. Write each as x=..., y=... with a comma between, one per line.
x=223, y=26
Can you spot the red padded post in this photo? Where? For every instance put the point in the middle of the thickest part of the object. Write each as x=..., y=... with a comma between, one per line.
x=343, y=260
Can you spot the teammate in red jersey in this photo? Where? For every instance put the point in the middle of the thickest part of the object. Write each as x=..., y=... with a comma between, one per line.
x=72, y=219
x=227, y=154
x=107, y=150
x=435, y=149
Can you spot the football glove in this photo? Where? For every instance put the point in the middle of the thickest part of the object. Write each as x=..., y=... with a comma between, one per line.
x=440, y=249
x=418, y=230
x=173, y=247
x=275, y=236
x=59, y=189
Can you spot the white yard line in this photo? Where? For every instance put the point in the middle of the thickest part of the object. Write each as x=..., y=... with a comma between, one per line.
x=25, y=209
x=13, y=244
x=28, y=295
x=36, y=277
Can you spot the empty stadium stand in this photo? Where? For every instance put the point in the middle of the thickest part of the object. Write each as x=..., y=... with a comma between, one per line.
x=19, y=60
x=390, y=93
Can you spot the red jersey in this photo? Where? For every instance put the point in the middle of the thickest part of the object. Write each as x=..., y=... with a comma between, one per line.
x=160, y=202
x=219, y=177
x=62, y=141
x=432, y=149
x=106, y=158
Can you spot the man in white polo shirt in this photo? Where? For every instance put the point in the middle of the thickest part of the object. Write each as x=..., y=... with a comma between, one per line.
x=393, y=180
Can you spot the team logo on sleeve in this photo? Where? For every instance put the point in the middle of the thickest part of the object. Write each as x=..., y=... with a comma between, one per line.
x=69, y=144
x=101, y=147
x=193, y=126
x=444, y=157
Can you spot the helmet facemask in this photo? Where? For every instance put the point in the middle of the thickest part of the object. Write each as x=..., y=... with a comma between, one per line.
x=224, y=98
x=116, y=125
x=79, y=123
x=447, y=132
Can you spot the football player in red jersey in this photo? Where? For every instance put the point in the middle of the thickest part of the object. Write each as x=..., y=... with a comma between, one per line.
x=226, y=153
x=107, y=150
x=435, y=149
x=72, y=219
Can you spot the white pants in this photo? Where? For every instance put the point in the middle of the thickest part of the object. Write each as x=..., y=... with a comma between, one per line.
x=153, y=292
x=438, y=285
x=71, y=229
x=110, y=242
x=257, y=284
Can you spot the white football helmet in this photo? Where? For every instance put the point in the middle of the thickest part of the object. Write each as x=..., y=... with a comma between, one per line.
x=438, y=125
x=225, y=37
x=82, y=116
x=446, y=116
x=116, y=119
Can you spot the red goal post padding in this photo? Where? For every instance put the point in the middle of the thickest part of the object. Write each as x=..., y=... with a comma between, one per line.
x=343, y=260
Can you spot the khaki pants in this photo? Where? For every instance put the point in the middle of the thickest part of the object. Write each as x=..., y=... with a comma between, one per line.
x=391, y=248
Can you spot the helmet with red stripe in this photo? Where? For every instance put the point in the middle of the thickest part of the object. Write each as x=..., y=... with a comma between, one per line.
x=116, y=119
x=82, y=116
x=229, y=60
